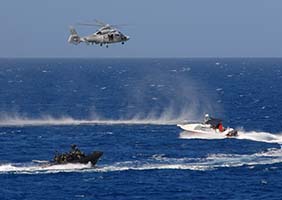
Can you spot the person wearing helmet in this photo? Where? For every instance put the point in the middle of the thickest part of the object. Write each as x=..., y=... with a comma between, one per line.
x=207, y=118
x=75, y=153
x=73, y=148
x=72, y=152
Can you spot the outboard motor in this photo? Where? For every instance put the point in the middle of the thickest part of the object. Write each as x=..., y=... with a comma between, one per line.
x=232, y=133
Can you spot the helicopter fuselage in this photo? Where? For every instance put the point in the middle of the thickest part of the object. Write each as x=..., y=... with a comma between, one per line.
x=105, y=35
x=106, y=38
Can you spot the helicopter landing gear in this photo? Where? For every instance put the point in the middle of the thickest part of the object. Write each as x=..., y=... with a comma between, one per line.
x=107, y=46
x=101, y=44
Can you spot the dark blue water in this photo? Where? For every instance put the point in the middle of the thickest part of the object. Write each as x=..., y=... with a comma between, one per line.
x=129, y=108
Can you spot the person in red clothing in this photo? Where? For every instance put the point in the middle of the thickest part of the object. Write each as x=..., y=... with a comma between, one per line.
x=221, y=128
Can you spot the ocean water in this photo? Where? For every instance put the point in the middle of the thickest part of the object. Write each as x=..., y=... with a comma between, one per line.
x=129, y=108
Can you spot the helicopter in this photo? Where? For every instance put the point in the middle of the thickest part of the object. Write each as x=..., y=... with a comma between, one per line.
x=106, y=34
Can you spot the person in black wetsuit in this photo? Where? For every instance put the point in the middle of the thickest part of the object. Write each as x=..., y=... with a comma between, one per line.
x=75, y=153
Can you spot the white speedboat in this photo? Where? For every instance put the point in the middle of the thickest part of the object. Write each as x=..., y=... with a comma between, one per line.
x=210, y=126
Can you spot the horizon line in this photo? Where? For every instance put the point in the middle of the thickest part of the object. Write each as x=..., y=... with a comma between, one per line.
x=195, y=57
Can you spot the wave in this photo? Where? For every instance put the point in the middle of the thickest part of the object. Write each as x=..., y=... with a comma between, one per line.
x=243, y=135
x=156, y=162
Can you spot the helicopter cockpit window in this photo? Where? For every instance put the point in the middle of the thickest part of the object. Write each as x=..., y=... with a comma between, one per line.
x=111, y=36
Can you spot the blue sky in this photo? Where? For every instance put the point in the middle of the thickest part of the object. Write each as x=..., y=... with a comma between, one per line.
x=157, y=28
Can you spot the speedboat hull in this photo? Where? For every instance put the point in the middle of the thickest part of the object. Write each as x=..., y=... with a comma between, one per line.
x=206, y=129
x=92, y=158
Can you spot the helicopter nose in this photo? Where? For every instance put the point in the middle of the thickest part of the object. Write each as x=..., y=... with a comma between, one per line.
x=125, y=37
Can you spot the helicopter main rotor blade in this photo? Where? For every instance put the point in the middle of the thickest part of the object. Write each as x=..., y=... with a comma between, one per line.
x=99, y=22
x=88, y=24
x=119, y=25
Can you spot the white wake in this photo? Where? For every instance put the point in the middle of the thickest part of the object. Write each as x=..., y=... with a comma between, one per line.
x=28, y=168
x=157, y=162
x=261, y=137
x=252, y=135
x=65, y=121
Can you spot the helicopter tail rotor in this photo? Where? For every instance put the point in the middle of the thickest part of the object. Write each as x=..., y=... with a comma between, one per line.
x=74, y=37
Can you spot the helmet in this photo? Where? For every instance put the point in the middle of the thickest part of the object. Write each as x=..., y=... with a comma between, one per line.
x=206, y=115
x=73, y=146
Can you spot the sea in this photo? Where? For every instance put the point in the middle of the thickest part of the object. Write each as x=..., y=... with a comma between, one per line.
x=129, y=109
